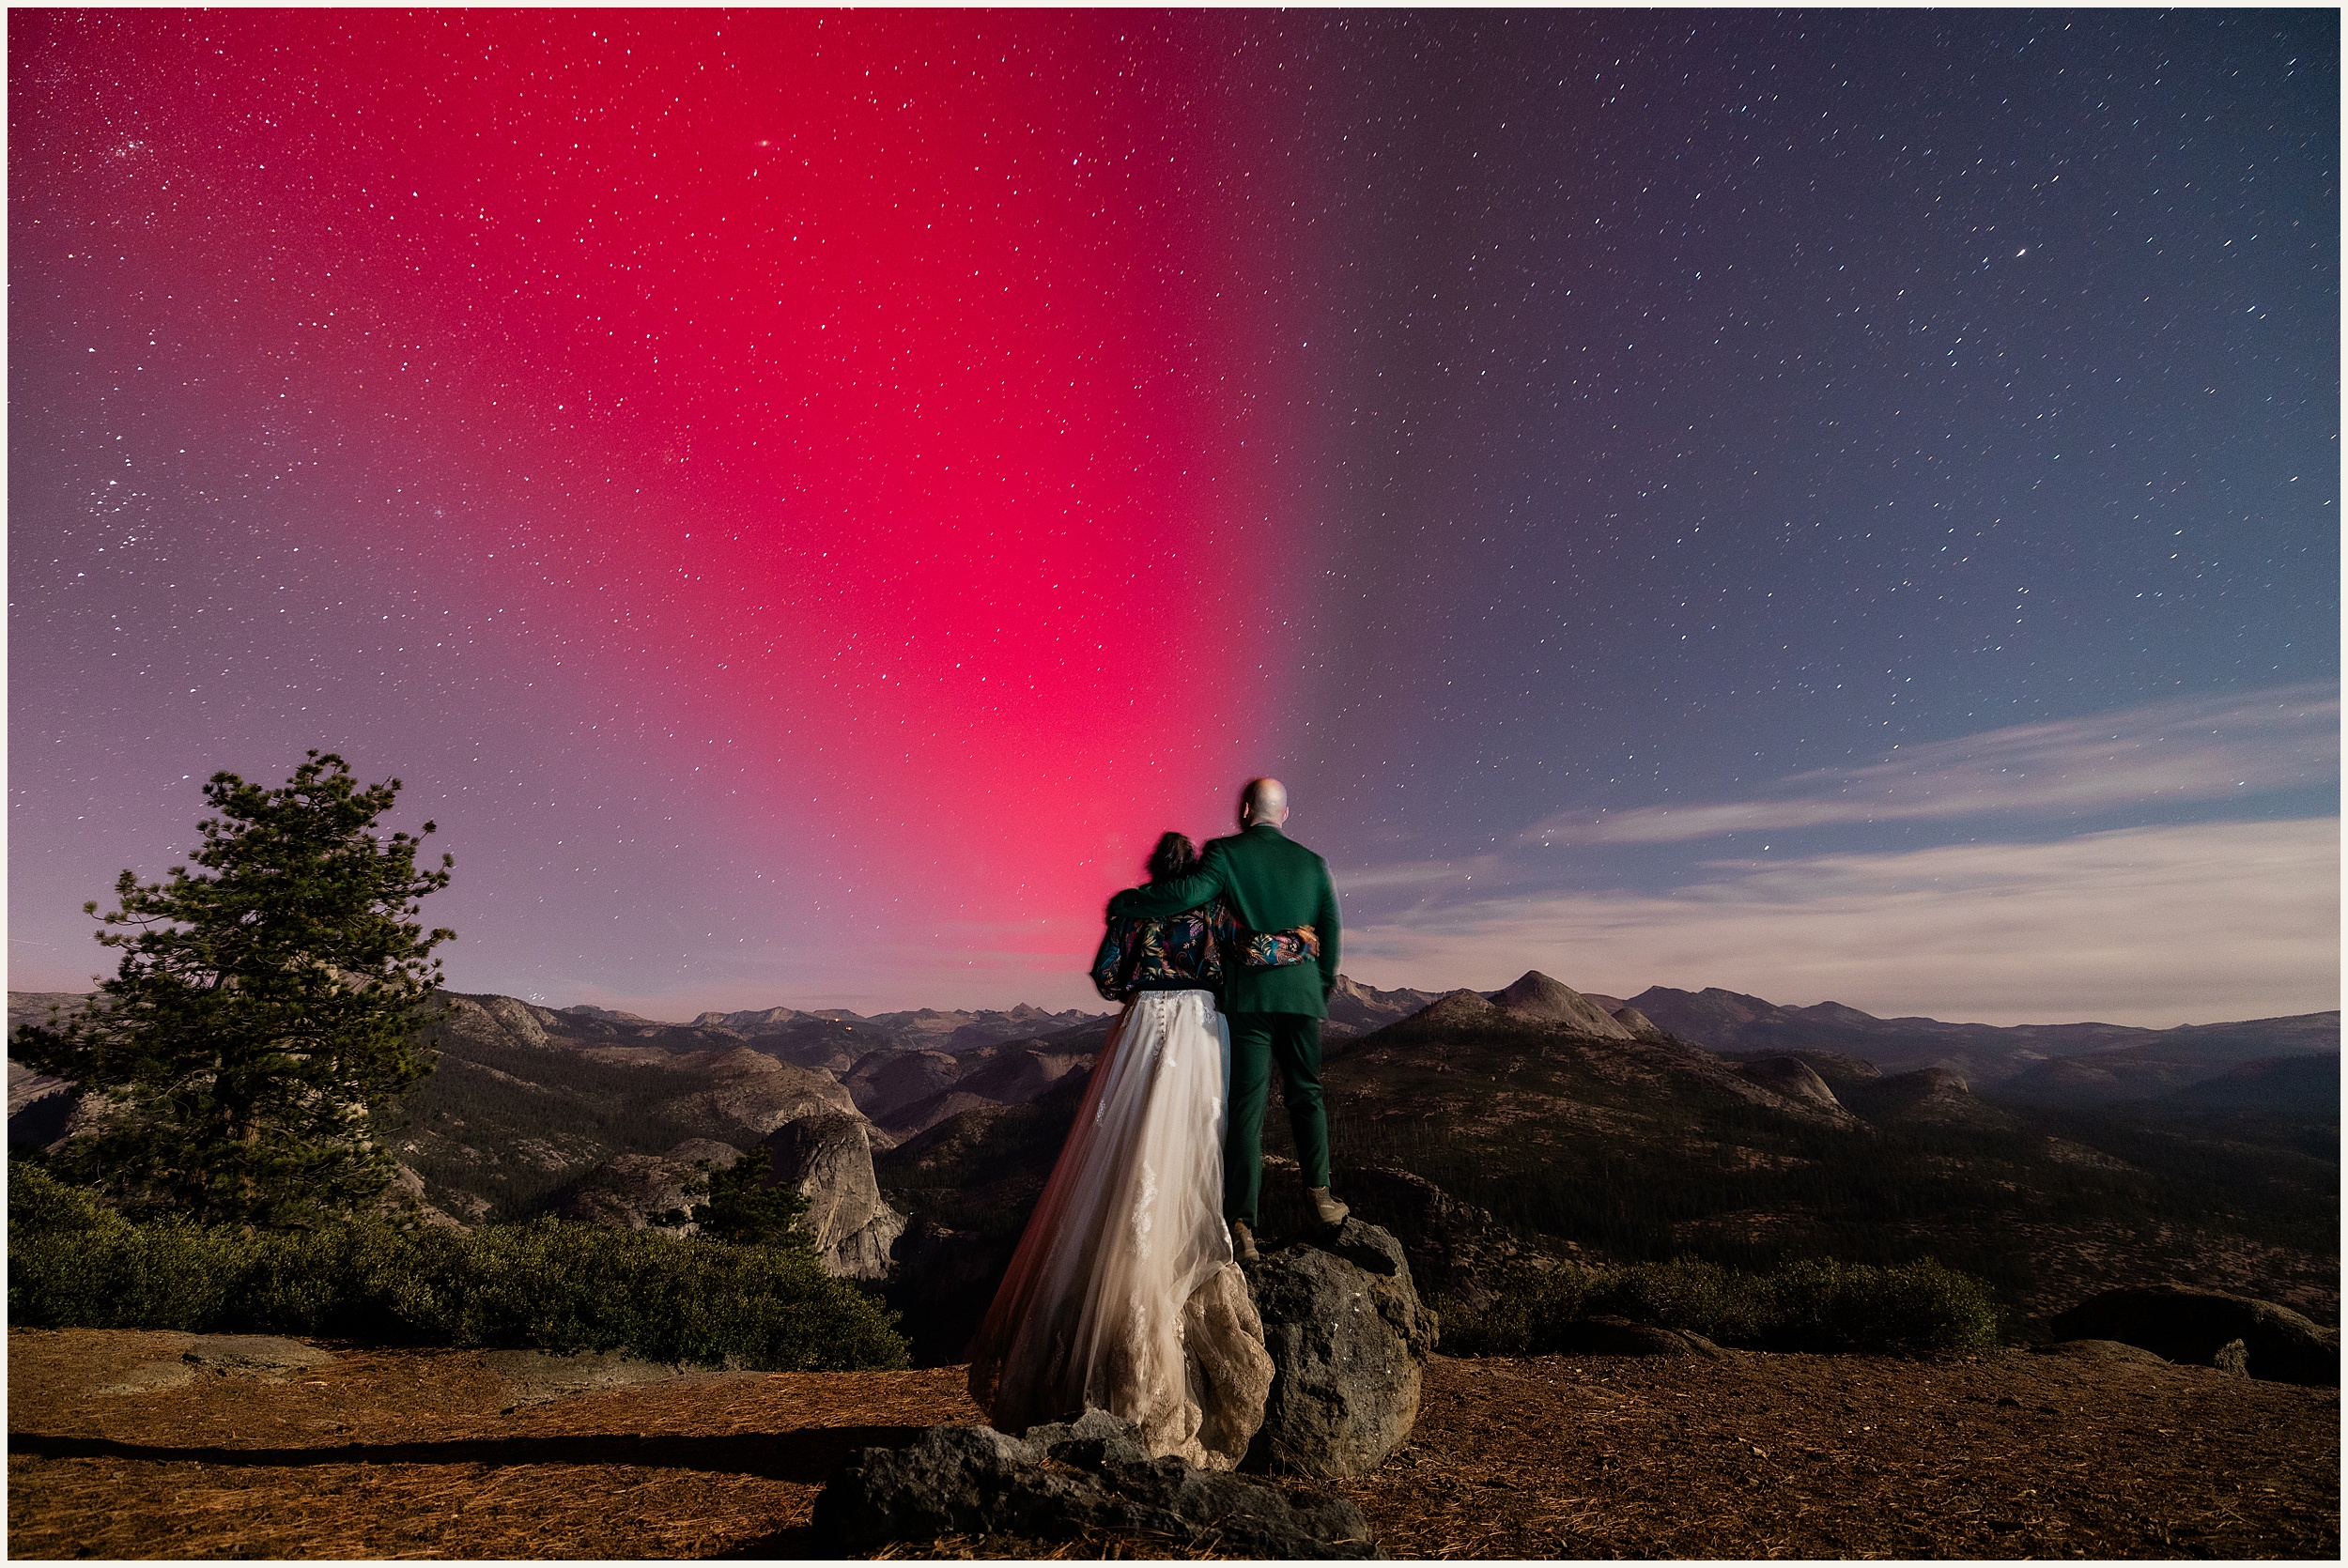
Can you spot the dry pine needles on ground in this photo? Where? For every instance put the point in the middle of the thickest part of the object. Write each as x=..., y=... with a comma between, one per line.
x=428, y=1453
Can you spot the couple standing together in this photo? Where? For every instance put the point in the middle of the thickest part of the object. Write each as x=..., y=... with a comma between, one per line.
x=1125, y=1294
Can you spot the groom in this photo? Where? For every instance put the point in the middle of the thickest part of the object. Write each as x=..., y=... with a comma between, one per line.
x=1273, y=885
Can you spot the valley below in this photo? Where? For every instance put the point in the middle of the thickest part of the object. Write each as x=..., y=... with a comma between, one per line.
x=1491, y=1133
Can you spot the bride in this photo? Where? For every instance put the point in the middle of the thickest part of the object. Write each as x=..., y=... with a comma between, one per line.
x=1123, y=1295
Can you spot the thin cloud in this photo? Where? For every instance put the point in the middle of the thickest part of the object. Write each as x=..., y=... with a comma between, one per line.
x=1422, y=873
x=2195, y=749
x=2151, y=926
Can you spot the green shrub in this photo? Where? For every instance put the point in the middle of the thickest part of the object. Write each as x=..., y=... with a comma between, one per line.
x=1723, y=1305
x=1821, y=1305
x=546, y=1284
x=38, y=1201
x=1917, y=1307
x=1530, y=1315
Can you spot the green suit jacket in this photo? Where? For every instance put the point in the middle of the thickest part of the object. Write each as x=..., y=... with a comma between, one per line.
x=1272, y=884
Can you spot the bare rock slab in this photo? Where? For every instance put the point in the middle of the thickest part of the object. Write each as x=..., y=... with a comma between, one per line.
x=828, y=1156
x=2200, y=1327
x=534, y=1377
x=1064, y=1480
x=1349, y=1340
x=1454, y=1248
x=154, y=1378
x=261, y=1357
x=254, y=1355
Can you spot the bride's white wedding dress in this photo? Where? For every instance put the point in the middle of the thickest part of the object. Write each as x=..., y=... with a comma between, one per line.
x=1123, y=1295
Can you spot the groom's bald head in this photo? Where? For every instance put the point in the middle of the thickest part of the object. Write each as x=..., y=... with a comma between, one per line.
x=1264, y=800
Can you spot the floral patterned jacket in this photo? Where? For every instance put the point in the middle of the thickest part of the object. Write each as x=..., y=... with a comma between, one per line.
x=1177, y=953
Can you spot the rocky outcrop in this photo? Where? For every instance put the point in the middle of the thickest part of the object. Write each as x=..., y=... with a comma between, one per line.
x=825, y=1155
x=1535, y=995
x=1348, y=1339
x=630, y=1191
x=41, y=1108
x=828, y=1158
x=406, y=1197
x=754, y=1092
x=1355, y=1008
x=488, y=1021
x=1928, y=1097
x=976, y=1481
x=1640, y=1027
x=1791, y=1077
x=1455, y=1249
x=2196, y=1328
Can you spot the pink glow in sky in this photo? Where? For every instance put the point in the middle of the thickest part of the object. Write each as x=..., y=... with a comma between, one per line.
x=804, y=499
x=870, y=400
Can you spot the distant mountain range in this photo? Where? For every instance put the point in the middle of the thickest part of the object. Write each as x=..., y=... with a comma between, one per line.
x=2035, y=1063
x=2048, y=1063
x=1481, y=1127
x=909, y=1071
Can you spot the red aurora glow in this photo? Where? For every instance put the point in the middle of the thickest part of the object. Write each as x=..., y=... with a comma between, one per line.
x=869, y=395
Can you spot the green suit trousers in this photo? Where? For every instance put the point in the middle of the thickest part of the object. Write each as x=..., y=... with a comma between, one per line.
x=1259, y=1040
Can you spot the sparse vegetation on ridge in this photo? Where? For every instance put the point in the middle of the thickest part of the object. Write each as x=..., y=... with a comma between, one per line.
x=1527, y=1123
x=1817, y=1304
x=545, y=1286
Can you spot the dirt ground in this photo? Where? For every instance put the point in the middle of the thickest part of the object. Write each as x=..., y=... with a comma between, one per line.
x=116, y=1450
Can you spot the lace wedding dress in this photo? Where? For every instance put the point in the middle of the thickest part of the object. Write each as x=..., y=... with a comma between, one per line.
x=1123, y=1295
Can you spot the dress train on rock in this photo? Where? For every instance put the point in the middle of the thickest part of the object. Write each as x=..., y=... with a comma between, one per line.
x=1123, y=1295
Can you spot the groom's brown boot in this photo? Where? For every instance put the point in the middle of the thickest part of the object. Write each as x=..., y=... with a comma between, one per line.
x=1243, y=1243
x=1332, y=1213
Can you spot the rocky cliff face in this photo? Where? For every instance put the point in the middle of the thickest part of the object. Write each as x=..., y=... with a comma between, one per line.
x=1355, y=1008
x=756, y=1093
x=823, y=1154
x=828, y=1156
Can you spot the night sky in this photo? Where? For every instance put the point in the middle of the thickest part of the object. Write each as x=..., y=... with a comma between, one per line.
x=1834, y=506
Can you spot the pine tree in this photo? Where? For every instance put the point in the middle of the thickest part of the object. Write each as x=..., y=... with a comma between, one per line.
x=262, y=1012
x=742, y=1206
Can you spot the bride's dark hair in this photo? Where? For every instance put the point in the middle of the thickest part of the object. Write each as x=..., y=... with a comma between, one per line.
x=1174, y=856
